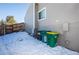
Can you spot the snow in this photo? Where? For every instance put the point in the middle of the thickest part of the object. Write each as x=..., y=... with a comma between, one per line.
x=20, y=43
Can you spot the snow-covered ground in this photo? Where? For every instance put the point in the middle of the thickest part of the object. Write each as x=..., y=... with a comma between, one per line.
x=21, y=43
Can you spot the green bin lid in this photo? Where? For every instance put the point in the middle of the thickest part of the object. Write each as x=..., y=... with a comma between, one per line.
x=52, y=33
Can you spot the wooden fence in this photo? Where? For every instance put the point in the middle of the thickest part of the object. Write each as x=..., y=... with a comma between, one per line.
x=5, y=29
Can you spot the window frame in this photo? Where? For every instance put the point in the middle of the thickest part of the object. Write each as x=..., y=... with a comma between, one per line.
x=44, y=14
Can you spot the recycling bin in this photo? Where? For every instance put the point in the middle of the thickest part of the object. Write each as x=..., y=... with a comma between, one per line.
x=43, y=35
x=52, y=38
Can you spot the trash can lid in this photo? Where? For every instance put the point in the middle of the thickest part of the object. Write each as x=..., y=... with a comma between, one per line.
x=52, y=33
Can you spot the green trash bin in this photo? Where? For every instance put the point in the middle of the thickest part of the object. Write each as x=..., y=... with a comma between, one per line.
x=43, y=35
x=52, y=38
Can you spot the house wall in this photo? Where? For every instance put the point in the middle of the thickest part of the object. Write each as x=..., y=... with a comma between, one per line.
x=36, y=17
x=59, y=14
x=29, y=19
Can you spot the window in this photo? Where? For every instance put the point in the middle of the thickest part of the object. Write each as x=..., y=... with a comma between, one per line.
x=42, y=14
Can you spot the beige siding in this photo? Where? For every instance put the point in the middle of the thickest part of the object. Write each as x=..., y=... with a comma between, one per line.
x=29, y=19
x=57, y=15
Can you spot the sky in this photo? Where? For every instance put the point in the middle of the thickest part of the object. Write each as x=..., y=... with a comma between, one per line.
x=18, y=10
